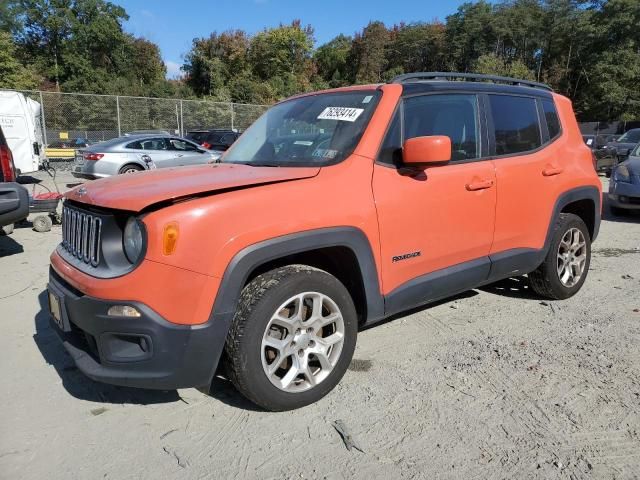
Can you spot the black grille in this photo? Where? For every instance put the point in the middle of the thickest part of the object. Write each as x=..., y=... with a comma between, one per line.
x=81, y=232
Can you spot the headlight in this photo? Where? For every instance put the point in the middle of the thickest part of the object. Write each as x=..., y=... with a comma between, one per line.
x=133, y=240
x=621, y=174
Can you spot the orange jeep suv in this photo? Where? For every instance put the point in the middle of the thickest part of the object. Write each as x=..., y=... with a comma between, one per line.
x=334, y=210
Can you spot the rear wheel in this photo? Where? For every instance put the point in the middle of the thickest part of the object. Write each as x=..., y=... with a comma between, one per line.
x=292, y=337
x=130, y=168
x=566, y=265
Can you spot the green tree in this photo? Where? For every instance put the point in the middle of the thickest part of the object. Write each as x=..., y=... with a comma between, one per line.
x=283, y=56
x=470, y=33
x=491, y=64
x=368, y=54
x=212, y=62
x=13, y=75
x=418, y=47
x=331, y=60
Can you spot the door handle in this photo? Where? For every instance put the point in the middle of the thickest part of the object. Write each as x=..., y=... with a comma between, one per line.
x=551, y=170
x=482, y=185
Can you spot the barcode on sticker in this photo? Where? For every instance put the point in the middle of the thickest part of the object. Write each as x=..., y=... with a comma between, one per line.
x=345, y=114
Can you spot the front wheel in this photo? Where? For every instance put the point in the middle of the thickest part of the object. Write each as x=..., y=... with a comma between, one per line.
x=292, y=338
x=566, y=265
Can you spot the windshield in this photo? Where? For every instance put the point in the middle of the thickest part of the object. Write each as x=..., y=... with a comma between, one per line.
x=315, y=130
x=632, y=136
x=636, y=151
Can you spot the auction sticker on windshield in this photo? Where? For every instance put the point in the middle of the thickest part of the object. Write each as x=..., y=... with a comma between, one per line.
x=345, y=114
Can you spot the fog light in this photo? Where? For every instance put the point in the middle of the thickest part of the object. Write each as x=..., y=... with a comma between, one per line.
x=123, y=311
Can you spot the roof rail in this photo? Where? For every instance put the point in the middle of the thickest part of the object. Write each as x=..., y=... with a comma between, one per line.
x=430, y=76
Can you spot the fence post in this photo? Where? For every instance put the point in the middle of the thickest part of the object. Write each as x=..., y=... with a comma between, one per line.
x=181, y=121
x=232, y=115
x=118, y=114
x=44, y=124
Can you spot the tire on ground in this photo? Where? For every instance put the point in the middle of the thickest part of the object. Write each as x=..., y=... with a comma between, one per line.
x=258, y=302
x=545, y=280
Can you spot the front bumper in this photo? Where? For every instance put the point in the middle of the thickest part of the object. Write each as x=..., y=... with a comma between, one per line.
x=625, y=195
x=144, y=352
x=625, y=201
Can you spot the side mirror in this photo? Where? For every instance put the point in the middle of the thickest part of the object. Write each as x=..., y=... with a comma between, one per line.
x=424, y=151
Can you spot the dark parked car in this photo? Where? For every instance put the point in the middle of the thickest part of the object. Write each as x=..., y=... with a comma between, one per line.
x=214, y=139
x=14, y=199
x=623, y=145
x=624, y=187
x=605, y=160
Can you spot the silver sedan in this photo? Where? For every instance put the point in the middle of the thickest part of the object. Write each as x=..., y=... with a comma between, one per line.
x=135, y=153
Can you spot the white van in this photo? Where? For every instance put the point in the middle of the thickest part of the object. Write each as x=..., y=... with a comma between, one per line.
x=20, y=119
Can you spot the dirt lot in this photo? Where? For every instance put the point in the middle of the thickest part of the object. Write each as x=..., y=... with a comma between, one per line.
x=492, y=384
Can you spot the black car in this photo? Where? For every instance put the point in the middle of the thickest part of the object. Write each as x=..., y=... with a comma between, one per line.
x=623, y=145
x=14, y=199
x=605, y=159
x=214, y=139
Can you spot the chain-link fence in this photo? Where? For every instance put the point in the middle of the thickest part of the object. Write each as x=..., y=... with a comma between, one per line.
x=78, y=116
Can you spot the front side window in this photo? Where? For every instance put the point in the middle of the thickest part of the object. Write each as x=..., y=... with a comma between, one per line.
x=181, y=145
x=454, y=115
x=314, y=130
x=516, y=125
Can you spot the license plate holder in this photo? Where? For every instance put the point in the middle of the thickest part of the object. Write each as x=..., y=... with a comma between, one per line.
x=56, y=308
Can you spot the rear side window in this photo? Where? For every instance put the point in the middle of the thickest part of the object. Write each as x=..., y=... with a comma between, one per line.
x=515, y=122
x=551, y=116
x=134, y=146
x=455, y=116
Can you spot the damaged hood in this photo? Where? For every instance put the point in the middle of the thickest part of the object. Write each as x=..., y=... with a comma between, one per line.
x=135, y=192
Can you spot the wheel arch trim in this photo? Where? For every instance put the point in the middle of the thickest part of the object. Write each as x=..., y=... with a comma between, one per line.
x=253, y=256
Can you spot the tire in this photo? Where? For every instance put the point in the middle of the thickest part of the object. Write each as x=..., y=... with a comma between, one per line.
x=130, y=168
x=6, y=230
x=617, y=211
x=247, y=357
x=546, y=280
x=42, y=223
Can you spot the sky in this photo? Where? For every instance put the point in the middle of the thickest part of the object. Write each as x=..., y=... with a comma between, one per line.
x=174, y=24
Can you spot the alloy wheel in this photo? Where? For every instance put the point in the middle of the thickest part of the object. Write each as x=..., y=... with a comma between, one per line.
x=302, y=342
x=572, y=257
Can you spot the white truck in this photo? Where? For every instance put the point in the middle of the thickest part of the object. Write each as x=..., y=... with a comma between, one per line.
x=21, y=121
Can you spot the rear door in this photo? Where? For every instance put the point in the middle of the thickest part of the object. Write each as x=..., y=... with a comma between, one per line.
x=158, y=150
x=529, y=176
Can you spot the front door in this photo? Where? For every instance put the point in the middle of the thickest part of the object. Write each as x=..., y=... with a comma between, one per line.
x=436, y=224
x=185, y=153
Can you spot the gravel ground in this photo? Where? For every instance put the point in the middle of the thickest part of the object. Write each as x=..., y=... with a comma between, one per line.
x=494, y=383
